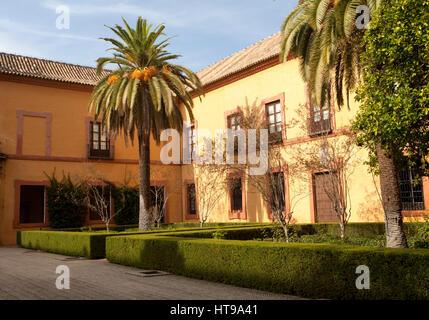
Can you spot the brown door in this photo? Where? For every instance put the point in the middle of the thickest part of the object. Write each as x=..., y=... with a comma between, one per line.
x=323, y=204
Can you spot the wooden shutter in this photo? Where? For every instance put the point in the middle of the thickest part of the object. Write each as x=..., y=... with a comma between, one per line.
x=324, y=207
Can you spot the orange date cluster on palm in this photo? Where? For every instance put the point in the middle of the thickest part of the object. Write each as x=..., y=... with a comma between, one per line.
x=112, y=79
x=144, y=74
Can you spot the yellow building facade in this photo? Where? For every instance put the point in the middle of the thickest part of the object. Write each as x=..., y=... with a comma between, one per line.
x=45, y=126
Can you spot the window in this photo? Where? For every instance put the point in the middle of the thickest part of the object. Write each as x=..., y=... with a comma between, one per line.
x=99, y=141
x=32, y=204
x=278, y=185
x=274, y=119
x=320, y=121
x=234, y=121
x=234, y=124
x=99, y=196
x=411, y=191
x=236, y=195
x=192, y=140
x=191, y=198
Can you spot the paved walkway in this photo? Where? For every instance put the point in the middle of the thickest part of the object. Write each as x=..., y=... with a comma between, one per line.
x=29, y=274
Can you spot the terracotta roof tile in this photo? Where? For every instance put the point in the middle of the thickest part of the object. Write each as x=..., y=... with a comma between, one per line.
x=45, y=69
x=65, y=72
x=256, y=53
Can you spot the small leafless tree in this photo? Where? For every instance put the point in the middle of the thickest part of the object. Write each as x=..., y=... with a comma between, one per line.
x=335, y=157
x=280, y=189
x=211, y=188
x=99, y=201
x=273, y=185
x=159, y=204
x=161, y=193
x=99, y=194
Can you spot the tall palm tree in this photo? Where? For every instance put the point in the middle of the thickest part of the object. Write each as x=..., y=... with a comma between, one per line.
x=143, y=95
x=322, y=34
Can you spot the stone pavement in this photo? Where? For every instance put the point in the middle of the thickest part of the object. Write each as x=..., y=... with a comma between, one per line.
x=29, y=274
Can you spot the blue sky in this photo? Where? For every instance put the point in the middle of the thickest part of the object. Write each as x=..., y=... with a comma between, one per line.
x=207, y=31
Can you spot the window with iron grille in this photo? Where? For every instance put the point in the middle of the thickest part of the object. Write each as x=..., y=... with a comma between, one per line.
x=192, y=203
x=411, y=190
x=320, y=119
x=99, y=146
x=236, y=195
x=274, y=119
x=278, y=185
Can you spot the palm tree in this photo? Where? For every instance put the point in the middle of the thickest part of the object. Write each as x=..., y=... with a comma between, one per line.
x=143, y=95
x=322, y=34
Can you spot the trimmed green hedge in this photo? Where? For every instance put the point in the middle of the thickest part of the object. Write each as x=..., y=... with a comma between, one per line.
x=306, y=270
x=368, y=230
x=82, y=244
x=358, y=229
x=251, y=232
x=178, y=225
x=227, y=233
x=164, y=226
x=362, y=230
x=118, y=228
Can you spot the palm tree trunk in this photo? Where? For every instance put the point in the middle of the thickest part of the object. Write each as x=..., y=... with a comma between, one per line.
x=144, y=185
x=395, y=236
x=144, y=167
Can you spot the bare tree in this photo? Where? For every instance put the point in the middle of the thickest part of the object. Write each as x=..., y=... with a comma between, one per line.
x=99, y=201
x=160, y=194
x=280, y=189
x=273, y=185
x=99, y=194
x=210, y=188
x=335, y=158
x=159, y=204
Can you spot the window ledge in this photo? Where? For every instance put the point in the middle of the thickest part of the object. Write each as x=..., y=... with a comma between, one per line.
x=189, y=216
x=31, y=225
x=100, y=158
x=414, y=213
x=236, y=214
x=319, y=133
